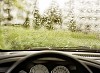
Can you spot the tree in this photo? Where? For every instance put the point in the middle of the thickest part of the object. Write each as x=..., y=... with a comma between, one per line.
x=53, y=16
x=37, y=16
x=6, y=10
x=37, y=19
x=26, y=23
x=1, y=16
x=72, y=26
x=72, y=22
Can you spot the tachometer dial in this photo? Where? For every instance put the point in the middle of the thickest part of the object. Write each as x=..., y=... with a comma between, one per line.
x=60, y=69
x=39, y=69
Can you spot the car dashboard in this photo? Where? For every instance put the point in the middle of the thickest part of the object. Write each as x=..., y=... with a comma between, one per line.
x=50, y=65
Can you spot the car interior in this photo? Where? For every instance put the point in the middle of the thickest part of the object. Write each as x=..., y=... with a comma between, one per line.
x=49, y=36
x=46, y=61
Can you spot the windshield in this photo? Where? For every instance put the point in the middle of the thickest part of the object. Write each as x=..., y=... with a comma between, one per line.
x=27, y=24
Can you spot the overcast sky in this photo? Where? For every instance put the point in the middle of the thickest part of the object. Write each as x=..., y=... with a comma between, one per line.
x=44, y=4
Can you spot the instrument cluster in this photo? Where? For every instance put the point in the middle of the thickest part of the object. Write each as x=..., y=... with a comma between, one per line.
x=49, y=65
x=44, y=69
x=40, y=68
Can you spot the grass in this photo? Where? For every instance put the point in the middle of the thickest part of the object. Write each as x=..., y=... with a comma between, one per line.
x=1, y=38
x=18, y=38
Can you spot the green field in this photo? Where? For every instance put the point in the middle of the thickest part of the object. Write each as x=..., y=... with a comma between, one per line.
x=18, y=38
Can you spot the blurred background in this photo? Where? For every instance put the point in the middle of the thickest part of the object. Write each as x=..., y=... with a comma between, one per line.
x=77, y=18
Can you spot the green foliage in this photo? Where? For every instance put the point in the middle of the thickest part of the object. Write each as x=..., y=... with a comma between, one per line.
x=79, y=35
x=72, y=26
x=20, y=38
x=26, y=23
x=37, y=19
x=6, y=7
x=37, y=23
x=52, y=16
x=49, y=24
x=1, y=39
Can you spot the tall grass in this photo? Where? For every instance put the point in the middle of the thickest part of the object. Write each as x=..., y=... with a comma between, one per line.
x=18, y=38
x=1, y=39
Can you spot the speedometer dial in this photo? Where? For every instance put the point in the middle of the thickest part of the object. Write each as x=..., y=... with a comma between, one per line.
x=60, y=69
x=39, y=69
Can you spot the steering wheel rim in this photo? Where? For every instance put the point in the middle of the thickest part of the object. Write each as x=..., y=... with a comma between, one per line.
x=42, y=54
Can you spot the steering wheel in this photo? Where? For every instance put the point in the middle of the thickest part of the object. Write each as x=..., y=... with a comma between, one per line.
x=43, y=54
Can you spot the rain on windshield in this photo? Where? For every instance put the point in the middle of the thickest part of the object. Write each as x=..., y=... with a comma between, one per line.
x=26, y=24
